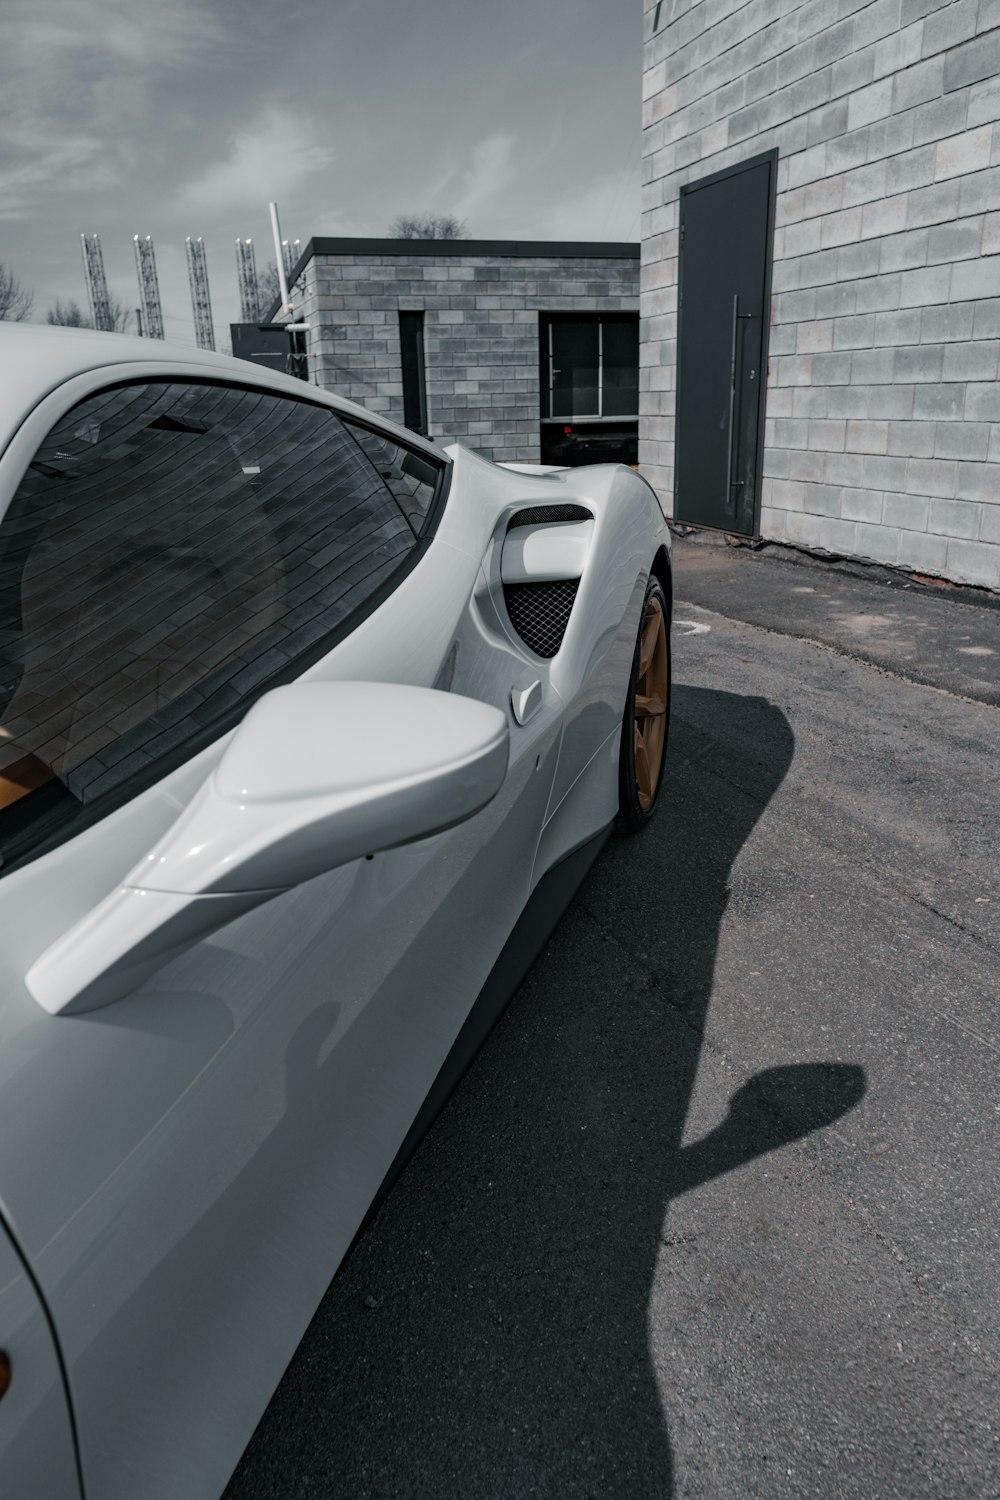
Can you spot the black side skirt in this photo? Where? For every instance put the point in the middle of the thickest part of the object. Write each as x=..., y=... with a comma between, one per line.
x=546, y=904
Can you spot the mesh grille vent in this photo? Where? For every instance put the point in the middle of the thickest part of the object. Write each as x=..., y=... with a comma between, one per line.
x=537, y=515
x=539, y=612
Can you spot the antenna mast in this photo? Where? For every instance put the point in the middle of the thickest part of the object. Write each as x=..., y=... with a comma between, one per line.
x=149, y=287
x=285, y=255
x=97, y=286
x=246, y=275
x=200, y=301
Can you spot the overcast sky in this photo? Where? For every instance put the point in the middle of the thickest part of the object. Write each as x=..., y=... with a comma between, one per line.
x=178, y=117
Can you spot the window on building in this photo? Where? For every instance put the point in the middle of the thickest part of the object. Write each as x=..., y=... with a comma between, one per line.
x=411, y=350
x=173, y=551
x=589, y=370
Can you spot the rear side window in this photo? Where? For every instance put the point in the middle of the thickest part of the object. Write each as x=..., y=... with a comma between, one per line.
x=411, y=478
x=173, y=551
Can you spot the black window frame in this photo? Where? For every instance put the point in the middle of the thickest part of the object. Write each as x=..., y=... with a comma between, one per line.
x=413, y=370
x=582, y=315
x=86, y=815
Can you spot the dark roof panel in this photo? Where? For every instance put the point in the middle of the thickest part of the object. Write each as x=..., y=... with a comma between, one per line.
x=556, y=249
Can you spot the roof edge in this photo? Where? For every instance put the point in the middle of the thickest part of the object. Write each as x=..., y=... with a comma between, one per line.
x=521, y=249
x=557, y=249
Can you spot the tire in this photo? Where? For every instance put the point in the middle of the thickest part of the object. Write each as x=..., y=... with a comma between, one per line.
x=647, y=715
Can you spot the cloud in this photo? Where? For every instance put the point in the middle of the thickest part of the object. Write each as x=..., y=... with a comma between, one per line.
x=503, y=187
x=335, y=222
x=469, y=185
x=46, y=32
x=75, y=77
x=483, y=181
x=607, y=208
x=267, y=159
x=51, y=163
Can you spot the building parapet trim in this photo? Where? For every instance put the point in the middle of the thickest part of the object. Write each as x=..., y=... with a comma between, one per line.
x=498, y=249
x=521, y=249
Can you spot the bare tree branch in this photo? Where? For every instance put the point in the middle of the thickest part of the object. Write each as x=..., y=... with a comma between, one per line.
x=70, y=314
x=122, y=316
x=268, y=287
x=428, y=227
x=67, y=314
x=16, y=301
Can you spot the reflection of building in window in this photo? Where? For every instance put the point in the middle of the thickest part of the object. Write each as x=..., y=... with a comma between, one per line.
x=412, y=480
x=170, y=552
x=589, y=376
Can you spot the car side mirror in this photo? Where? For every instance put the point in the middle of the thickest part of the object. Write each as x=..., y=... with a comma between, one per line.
x=318, y=774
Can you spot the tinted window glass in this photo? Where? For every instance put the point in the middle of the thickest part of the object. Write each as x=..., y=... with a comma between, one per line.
x=411, y=478
x=589, y=365
x=170, y=554
x=620, y=359
x=574, y=367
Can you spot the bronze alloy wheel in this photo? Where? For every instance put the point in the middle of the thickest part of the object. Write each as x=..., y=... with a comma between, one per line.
x=647, y=711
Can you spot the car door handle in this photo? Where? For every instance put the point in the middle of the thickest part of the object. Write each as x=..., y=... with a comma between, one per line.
x=526, y=701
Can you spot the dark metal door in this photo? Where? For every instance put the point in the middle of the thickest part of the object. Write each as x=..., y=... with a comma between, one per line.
x=726, y=230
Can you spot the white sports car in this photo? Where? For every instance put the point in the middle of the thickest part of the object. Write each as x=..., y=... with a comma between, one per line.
x=308, y=732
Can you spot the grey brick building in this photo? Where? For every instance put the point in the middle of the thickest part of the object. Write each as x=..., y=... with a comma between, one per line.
x=856, y=274
x=503, y=344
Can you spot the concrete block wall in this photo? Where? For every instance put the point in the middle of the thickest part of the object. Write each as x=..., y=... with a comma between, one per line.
x=883, y=405
x=481, y=327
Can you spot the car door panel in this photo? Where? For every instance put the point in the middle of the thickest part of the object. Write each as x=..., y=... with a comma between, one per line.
x=252, y=1099
x=211, y=1143
x=37, y=1456
x=219, y=1136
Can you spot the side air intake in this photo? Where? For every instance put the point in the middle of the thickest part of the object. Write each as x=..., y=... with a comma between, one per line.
x=537, y=515
x=540, y=612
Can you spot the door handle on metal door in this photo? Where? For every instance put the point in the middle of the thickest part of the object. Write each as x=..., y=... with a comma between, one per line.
x=732, y=401
x=526, y=701
x=737, y=316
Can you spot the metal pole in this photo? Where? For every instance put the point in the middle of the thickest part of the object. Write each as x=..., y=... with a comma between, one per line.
x=286, y=305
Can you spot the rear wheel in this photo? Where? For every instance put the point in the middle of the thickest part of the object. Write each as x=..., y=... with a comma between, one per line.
x=647, y=714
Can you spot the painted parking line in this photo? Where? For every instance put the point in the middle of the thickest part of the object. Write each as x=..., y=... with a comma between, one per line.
x=691, y=627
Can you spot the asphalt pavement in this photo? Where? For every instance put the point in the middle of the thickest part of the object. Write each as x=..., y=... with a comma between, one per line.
x=925, y=630
x=714, y=1213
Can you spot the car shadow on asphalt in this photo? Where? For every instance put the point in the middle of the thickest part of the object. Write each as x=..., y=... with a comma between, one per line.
x=489, y=1335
